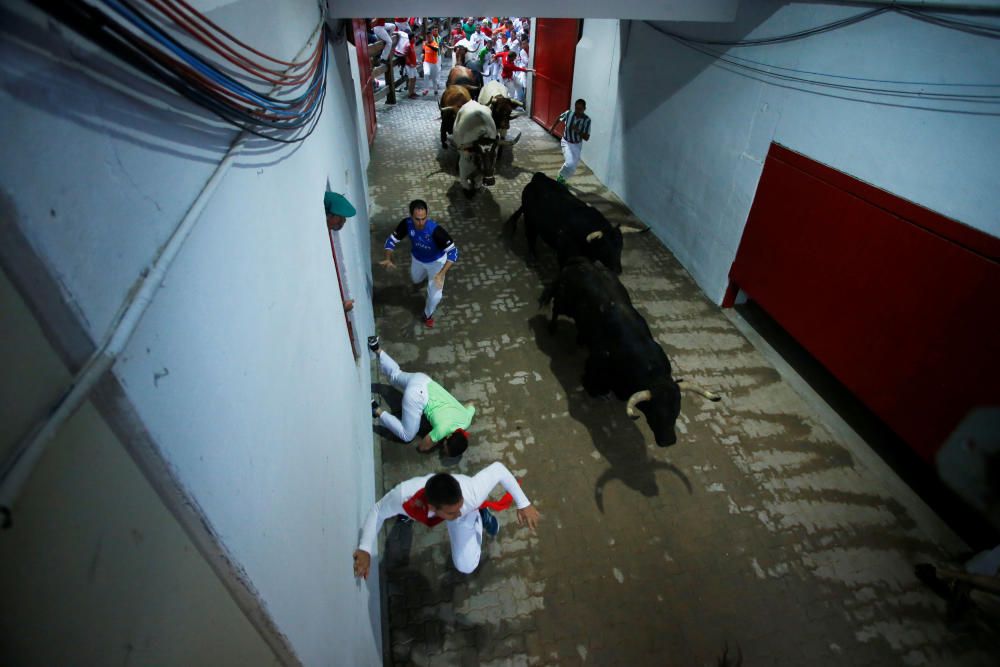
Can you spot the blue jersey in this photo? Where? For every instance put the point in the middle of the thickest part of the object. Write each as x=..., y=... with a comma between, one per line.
x=428, y=244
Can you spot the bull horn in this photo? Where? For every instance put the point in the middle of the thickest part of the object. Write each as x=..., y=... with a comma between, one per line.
x=518, y=103
x=512, y=142
x=698, y=389
x=593, y=236
x=637, y=397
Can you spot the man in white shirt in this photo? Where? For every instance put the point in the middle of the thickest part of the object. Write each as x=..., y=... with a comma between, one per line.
x=520, y=78
x=460, y=500
x=476, y=40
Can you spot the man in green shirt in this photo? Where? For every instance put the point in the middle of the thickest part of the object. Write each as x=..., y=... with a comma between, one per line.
x=468, y=28
x=422, y=395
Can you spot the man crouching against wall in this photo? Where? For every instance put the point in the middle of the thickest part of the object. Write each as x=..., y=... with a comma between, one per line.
x=460, y=500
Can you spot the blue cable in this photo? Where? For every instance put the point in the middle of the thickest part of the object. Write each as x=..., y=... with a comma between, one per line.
x=273, y=105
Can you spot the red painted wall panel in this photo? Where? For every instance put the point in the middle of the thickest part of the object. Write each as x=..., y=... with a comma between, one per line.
x=901, y=304
x=555, y=53
x=360, y=29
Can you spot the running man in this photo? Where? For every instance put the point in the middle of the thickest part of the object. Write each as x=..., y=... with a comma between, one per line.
x=433, y=254
x=462, y=501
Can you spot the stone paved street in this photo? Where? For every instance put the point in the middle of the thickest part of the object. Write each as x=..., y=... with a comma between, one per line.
x=760, y=528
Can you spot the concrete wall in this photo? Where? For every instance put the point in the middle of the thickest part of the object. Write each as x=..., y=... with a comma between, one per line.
x=95, y=571
x=241, y=371
x=683, y=141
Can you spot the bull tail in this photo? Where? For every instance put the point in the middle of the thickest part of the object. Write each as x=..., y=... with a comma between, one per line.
x=547, y=294
x=511, y=225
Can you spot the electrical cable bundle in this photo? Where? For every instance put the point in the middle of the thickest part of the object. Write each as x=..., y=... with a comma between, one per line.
x=271, y=98
x=851, y=84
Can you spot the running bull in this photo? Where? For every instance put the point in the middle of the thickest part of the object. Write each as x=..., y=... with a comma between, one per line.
x=494, y=96
x=567, y=224
x=476, y=138
x=461, y=88
x=453, y=99
x=624, y=356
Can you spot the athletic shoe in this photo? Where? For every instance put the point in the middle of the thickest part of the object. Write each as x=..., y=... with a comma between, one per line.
x=490, y=523
x=373, y=343
x=560, y=179
x=429, y=322
x=374, y=408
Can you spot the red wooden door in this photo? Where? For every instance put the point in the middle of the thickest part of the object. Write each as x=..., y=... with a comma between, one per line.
x=365, y=74
x=555, y=53
x=901, y=304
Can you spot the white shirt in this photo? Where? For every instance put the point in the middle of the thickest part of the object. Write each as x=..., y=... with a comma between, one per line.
x=477, y=40
x=475, y=491
x=404, y=39
x=522, y=58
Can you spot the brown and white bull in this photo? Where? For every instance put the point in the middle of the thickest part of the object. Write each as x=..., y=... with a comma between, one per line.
x=477, y=141
x=494, y=95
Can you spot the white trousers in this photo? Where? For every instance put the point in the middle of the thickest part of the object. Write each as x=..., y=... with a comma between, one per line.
x=571, y=157
x=420, y=271
x=414, y=388
x=432, y=71
x=383, y=34
x=466, y=536
x=520, y=85
x=511, y=86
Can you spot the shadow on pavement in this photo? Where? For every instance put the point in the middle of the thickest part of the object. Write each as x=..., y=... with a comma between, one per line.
x=615, y=436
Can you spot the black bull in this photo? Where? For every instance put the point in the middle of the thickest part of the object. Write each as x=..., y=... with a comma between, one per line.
x=624, y=356
x=567, y=224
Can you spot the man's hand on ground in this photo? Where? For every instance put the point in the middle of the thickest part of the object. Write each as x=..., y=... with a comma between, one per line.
x=362, y=562
x=387, y=263
x=528, y=516
x=426, y=444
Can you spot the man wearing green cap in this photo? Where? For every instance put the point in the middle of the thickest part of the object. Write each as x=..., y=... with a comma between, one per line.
x=338, y=210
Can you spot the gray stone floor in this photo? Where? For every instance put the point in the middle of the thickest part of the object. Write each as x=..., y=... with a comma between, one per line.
x=760, y=529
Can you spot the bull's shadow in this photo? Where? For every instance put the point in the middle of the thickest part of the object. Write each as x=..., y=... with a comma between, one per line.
x=615, y=436
x=447, y=159
x=506, y=160
x=545, y=265
x=480, y=208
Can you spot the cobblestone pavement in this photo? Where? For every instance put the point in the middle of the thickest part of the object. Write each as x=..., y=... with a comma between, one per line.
x=759, y=529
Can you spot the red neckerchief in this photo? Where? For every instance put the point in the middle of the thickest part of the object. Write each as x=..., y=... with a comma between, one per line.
x=417, y=508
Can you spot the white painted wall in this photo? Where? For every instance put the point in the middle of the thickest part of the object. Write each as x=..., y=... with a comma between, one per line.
x=683, y=141
x=259, y=408
x=95, y=570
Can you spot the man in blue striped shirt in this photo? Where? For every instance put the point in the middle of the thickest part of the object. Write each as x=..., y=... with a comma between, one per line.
x=433, y=254
x=577, y=131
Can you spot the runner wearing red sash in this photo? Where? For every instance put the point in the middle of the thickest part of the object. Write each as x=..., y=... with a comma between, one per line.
x=461, y=501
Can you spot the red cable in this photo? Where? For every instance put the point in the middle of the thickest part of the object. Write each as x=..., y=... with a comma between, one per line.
x=235, y=58
x=200, y=17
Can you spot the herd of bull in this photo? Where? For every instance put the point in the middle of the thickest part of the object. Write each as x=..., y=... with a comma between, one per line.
x=478, y=117
x=624, y=356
